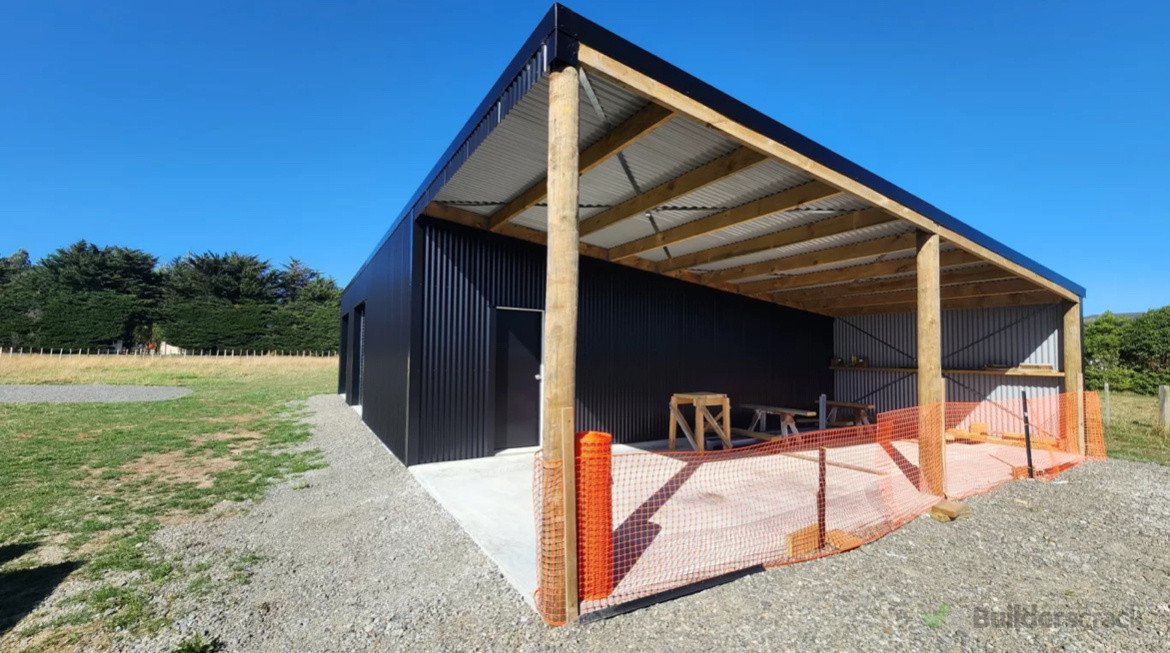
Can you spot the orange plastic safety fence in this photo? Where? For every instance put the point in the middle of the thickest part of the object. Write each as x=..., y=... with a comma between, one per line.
x=594, y=516
x=547, y=493
x=1094, y=428
x=682, y=517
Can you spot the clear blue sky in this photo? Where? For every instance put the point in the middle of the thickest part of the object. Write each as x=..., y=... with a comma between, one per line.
x=300, y=129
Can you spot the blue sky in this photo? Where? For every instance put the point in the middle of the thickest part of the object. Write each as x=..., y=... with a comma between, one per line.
x=300, y=128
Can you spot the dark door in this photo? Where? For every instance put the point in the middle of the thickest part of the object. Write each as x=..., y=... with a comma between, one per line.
x=517, y=378
x=358, y=370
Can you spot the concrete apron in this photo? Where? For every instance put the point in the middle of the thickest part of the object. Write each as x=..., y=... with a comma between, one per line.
x=491, y=498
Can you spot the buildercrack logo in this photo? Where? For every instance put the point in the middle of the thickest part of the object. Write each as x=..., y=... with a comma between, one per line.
x=1033, y=616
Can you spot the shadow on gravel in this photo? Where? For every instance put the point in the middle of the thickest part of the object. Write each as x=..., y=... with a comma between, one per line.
x=22, y=590
x=10, y=552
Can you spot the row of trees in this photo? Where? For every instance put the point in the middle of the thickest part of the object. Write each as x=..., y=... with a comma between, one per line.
x=86, y=296
x=1128, y=353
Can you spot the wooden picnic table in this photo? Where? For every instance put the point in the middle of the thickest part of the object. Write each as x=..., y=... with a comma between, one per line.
x=787, y=417
x=860, y=412
x=703, y=417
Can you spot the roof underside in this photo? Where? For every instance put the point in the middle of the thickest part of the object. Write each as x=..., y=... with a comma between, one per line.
x=662, y=191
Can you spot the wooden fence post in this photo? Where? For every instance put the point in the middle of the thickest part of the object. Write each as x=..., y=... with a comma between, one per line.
x=1164, y=409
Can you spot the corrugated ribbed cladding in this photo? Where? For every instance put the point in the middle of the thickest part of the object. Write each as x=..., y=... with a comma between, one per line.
x=384, y=286
x=971, y=339
x=640, y=338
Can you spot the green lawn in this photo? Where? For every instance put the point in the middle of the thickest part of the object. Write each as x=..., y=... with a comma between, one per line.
x=85, y=485
x=1133, y=433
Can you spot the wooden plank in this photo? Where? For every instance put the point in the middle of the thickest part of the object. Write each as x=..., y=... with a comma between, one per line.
x=843, y=540
x=780, y=410
x=512, y=230
x=708, y=173
x=945, y=511
x=866, y=288
x=820, y=229
x=848, y=466
x=1070, y=340
x=650, y=88
x=857, y=272
x=455, y=214
x=677, y=417
x=957, y=291
x=839, y=254
x=629, y=132
x=559, y=353
x=1000, y=372
x=804, y=542
x=1015, y=299
x=746, y=433
x=931, y=456
x=783, y=201
x=467, y=218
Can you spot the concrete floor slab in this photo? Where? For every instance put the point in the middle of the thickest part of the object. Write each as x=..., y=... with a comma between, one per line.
x=491, y=498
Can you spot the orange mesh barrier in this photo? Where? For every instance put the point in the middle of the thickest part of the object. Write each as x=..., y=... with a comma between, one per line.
x=547, y=490
x=594, y=516
x=1094, y=428
x=683, y=517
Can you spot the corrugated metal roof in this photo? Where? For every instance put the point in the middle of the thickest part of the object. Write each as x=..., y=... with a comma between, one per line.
x=514, y=155
x=500, y=150
x=836, y=240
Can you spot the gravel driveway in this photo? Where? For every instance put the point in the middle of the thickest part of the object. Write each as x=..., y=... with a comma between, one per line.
x=358, y=557
x=94, y=393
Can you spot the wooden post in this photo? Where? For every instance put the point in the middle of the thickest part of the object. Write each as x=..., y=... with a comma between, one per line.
x=1108, y=407
x=1164, y=409
x=558, y=367
x=931, y=446
x=1071, y=345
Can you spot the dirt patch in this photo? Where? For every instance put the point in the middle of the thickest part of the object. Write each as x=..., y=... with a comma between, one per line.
x=229, y=436
x=179, y=467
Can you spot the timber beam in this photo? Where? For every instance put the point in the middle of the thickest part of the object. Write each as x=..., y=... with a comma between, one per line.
x=792, y=236
x=785, y=200
x=870, y=288
x=708, y=173
x=1029, y=298
x=652, y=89
x=856, y=272
x=957, y=291
x=841, y=253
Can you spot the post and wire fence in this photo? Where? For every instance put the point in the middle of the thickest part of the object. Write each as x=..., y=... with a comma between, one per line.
x=652, y=523
x=227, y=352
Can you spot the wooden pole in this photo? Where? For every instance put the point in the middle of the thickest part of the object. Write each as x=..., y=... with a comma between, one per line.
x=1072, y=414
x=1108, y=407
x=1164, y=409
x=931, y=446
x=559, y=354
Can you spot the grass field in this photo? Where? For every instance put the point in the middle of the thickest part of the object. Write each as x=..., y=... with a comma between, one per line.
x=85, y=485
x=1133, y=432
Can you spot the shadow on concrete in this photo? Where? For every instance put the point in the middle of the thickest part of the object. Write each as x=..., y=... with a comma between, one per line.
x=637, y=532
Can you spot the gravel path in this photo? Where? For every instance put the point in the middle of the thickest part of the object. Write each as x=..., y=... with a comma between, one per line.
x=78, y=394
x=357, y=557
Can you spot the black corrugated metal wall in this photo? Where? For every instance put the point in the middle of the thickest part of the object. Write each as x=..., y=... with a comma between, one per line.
x=385, y=287
x=641, y=337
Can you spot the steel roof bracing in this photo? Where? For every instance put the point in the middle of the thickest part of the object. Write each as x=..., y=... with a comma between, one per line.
x=665, y=191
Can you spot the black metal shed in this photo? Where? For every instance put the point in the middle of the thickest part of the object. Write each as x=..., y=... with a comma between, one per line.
x=718, y=246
